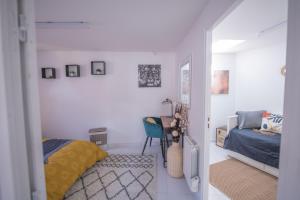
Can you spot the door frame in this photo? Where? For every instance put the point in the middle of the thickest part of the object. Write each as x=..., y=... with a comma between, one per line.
x=14, y=167
x=30, y=81
x=208, y=62
x=289, y=163
x=22, y=168
x=288, y=182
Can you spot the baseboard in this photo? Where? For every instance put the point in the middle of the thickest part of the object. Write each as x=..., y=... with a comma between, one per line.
x=124, y=145
x=129, y=145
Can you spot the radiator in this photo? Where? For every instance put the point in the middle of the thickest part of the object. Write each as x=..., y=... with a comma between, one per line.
x=190, y=163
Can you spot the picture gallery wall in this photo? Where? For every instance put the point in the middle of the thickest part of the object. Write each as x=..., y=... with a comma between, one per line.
x=73, y=104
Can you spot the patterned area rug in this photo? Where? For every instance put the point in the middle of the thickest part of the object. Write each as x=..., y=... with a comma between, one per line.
x=118, y=177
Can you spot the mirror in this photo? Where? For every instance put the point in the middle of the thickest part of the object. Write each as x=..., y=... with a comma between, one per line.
x=185, y=82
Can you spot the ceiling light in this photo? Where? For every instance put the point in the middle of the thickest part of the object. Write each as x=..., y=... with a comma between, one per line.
x=225, y=45
x=62, y=25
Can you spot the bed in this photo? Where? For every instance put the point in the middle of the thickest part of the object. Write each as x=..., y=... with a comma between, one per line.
x=256, y=149
x=65, y=161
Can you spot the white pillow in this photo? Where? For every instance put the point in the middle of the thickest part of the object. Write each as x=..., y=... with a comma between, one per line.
x=272, y=122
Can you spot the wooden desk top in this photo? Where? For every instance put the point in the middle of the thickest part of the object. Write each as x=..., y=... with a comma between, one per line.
x=166, y=121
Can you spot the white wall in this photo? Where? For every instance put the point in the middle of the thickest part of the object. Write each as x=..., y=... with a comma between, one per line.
x=255, y=83
x=194, y=44
x=259, y=83
x=71, y=106
x=223, y=105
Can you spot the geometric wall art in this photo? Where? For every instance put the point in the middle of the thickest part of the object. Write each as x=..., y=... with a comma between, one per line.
x=149, y=75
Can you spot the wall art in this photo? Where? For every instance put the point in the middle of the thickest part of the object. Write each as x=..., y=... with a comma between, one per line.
x=149, y=75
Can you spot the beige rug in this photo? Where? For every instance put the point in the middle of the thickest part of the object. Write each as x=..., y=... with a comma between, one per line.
x=242, y=182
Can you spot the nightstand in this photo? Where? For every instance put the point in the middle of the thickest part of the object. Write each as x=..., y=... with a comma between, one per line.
x=220, y=135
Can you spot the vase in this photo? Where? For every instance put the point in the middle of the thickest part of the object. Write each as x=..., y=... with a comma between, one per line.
x=175, y=160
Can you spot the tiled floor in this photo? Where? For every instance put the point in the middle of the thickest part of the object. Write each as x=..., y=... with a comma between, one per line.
x=216, y=154
x=169, y=188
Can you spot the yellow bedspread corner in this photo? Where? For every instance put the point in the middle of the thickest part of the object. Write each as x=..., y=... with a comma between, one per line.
x=65, y=166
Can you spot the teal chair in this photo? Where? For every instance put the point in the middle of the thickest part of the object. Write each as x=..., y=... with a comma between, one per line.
x=154, y=131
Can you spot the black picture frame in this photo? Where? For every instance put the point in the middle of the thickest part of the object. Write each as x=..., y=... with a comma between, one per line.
x=48, y=73
x=98, y=68
x=149, y=76
x=72, y=71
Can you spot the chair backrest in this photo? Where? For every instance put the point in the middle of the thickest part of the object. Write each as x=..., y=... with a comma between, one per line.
x=153, y=130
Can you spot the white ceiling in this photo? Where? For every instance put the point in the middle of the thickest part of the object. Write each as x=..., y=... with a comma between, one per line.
x=249, y=19
x=117, y=25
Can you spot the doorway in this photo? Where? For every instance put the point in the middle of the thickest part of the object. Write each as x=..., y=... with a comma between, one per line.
x=248, y=50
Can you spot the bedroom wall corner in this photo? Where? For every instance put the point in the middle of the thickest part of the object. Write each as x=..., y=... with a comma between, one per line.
x=259, y=83
x=223, y=105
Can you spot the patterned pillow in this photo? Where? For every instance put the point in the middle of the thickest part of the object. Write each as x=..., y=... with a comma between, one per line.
x=272, y=122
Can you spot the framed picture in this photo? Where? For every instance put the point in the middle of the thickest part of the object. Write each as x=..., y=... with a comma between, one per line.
x=98, y=68
x=72, y=70
x=48, y=73
x=220, y=82
x=185, y=82
x=149, y=75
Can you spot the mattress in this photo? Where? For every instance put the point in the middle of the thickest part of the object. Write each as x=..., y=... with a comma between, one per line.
x=260, y=147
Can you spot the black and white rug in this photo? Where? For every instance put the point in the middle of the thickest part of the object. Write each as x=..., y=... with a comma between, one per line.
x=118, y=177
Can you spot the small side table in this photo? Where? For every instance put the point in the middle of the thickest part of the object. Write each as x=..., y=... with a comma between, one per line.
x=220, y=135
x=98, y=135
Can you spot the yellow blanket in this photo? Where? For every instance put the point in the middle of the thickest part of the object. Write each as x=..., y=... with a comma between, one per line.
x=67, y=164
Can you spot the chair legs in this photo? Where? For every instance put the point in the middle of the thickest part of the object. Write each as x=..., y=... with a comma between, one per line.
x=162, y=149
x=162, y=146
x=167, y=140
x=145, y=145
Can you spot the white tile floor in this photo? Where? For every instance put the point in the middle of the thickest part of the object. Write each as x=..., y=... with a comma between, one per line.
x=216, y=153
x=169, y=188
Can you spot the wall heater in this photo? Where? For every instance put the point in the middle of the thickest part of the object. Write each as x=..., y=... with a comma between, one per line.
x=190, y=163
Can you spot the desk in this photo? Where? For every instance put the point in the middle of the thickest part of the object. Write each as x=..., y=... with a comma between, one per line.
x=166, y=121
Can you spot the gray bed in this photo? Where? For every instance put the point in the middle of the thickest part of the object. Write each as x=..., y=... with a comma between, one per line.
x=260, y=147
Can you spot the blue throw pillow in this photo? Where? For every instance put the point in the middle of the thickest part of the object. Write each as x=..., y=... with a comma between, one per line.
x=249, y=119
